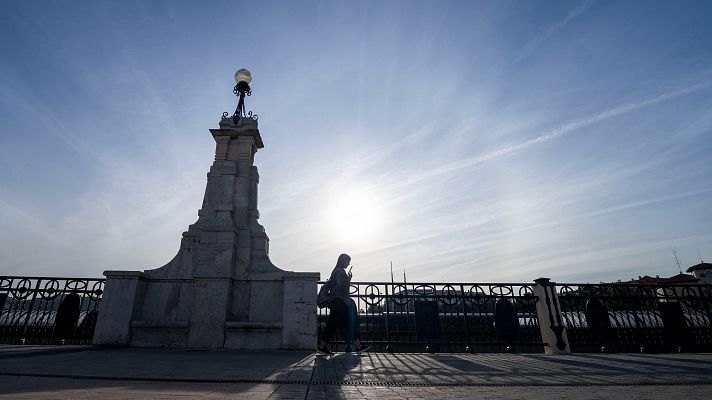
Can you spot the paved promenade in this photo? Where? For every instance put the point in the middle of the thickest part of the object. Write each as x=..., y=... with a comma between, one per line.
x=84, y=372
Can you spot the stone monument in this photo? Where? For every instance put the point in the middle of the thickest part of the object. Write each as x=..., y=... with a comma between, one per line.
x=221, y=290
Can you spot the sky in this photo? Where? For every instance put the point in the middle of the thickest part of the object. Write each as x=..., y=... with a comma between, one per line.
x=474, y=141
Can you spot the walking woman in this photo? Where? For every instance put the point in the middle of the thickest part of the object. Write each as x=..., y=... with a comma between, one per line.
x=343, y=313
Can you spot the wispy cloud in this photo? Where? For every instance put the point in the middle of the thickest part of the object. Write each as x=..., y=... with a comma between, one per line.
x=533, y=44
x=31, y=223
x=21, y=99
x=559, y=132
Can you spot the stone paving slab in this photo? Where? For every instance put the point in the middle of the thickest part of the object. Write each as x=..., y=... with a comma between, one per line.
x=8, y=351
x=515, y=369
x=513, y=392
x=162, y=364
x=89, y=373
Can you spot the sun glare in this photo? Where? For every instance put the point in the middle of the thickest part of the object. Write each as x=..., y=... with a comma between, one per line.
x=356, y=216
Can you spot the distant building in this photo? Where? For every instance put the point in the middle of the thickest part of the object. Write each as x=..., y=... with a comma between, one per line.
x=672, y=280
x=702, y=271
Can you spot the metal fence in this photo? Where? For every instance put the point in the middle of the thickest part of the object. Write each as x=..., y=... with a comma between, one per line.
x=421, y=317
x=42, y=310
x=444, y=317
x=623, y=317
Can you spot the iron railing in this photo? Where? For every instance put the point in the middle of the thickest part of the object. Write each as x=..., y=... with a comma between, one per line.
x=45, y=310
x=416, y=317
x=625, y=317
x=444, y=317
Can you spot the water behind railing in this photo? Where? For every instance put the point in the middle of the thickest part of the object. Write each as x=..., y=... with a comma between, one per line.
x=465, y=318
x=641, y=317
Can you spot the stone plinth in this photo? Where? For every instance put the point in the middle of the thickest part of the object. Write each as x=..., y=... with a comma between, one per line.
x=221, y=290
x=120, y=306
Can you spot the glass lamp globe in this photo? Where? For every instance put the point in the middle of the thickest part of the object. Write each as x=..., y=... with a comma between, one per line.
x=243, y=75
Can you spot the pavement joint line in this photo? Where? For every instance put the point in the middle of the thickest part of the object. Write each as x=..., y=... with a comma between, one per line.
x=363, y=383
x=46, y=352
x=311, y=377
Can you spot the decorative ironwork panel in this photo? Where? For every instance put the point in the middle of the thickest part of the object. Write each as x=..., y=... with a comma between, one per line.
x=465, y=320
x=625, y=317
x=45, y=310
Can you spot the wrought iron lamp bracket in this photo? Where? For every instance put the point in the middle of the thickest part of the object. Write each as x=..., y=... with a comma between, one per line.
x=241, y=89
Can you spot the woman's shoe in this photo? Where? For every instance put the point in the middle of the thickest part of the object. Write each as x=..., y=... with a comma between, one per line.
x=362, y=348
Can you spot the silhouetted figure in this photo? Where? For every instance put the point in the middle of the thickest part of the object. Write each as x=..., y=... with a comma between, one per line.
x=343, y=313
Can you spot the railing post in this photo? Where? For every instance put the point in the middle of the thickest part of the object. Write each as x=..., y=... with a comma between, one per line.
x=464, y=317
x=553, y=332
x=387, y=317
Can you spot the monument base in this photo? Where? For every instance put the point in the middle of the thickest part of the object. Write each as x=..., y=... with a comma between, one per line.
x=280, y=312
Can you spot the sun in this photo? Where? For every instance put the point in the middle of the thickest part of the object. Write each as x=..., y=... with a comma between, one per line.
x=356, y=216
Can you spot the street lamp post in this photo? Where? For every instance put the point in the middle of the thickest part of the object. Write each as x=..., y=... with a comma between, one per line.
x=243, y=78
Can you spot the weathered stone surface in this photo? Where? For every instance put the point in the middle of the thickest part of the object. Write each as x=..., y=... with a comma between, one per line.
x=251, y=335
x=159, y=334
x=221, y=289
x=300, y=325
x=266, y=300
x=208, y=313
x=161, y=301
x=118, y=307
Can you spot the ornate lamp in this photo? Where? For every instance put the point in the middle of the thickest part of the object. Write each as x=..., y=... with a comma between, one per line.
x=243, y=78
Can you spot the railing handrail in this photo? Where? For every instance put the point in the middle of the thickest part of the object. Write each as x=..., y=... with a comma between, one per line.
x=634, y=284
x=50, y=277
x=439, y=283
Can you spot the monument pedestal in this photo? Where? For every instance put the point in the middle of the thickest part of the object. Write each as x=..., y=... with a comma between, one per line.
x=221, y=290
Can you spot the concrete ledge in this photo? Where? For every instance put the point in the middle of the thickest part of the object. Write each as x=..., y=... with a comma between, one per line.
x=248, y=325
x=160, y=324
x=159, y=337
x=240, y=131
x=171, y=334
x=302, y=275
x=124, y=274
x=253, y=335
